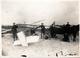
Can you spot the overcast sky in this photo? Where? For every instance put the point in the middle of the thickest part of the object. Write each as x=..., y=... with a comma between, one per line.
x=46, y=11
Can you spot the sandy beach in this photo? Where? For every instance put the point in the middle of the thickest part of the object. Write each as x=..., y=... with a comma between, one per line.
x=43, y=48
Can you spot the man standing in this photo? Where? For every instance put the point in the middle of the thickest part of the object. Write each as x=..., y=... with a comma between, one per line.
x=67, y=31
x=14, y=31
x=52, y=30
x=74, y=32
x=42, y=30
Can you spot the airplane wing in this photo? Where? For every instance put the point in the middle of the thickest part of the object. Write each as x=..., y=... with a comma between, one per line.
x=4, y=31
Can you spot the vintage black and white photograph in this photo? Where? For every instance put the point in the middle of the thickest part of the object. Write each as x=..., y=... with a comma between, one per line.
x=40, y=28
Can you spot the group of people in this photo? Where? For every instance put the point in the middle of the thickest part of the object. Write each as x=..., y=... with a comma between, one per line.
x=68, y=30
x=14, y=30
